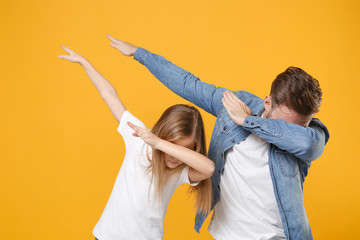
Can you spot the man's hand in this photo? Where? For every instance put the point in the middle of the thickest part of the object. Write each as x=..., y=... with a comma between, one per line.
x=125, y=48
x=236, y=108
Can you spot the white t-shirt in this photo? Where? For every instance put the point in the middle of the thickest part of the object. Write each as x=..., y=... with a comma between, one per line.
x=130, y=212
x=247, y=208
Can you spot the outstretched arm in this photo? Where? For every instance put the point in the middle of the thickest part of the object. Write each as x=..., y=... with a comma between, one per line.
x=201, y=167
x=181, y=82
x=106, y=90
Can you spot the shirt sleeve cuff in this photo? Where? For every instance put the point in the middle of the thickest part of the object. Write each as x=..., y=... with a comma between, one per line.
x=140, y=55
x=263, y=125
x=251, y=122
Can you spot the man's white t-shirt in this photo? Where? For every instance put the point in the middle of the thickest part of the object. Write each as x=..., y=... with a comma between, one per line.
x=130, y=212
x=247, y=207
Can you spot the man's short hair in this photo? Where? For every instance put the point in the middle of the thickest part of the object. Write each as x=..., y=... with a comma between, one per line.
x=297, y=90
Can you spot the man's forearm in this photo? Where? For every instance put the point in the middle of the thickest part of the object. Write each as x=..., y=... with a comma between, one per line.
x=181, y=82
x=306, y=143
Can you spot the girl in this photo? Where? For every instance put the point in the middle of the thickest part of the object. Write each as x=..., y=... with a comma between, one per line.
x=155, y=164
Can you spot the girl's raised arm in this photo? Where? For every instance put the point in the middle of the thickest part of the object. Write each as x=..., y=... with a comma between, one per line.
x=201, y=167
x=106, y=90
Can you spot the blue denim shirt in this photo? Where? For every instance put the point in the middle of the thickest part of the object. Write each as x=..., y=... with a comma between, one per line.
x=292, y=147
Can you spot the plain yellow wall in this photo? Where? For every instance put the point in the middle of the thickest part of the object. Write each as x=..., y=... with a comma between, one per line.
x=60, y=152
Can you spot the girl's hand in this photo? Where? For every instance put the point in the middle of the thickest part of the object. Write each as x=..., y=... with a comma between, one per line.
x=145, y=135
x=236, y=108
x=125, y=48
x=73, y=56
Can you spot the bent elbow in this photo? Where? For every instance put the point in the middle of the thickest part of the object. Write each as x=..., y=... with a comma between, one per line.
x=312, y=150
x=211, y=169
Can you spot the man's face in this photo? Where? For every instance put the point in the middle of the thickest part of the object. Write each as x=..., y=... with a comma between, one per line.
x=285, y=113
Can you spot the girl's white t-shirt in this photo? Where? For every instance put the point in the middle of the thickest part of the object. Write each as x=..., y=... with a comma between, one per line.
x=131, y=212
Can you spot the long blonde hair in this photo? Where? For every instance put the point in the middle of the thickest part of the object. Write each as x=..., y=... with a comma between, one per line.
x=176, y=122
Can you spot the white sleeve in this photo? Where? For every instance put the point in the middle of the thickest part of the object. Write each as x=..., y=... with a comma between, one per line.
x=184, y=177
x=126, y=131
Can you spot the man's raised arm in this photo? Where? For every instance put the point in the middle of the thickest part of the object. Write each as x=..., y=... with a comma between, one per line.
x=181, y=82
x=306, y=143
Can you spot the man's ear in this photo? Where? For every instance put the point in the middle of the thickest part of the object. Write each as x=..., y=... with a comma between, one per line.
x=267, y=103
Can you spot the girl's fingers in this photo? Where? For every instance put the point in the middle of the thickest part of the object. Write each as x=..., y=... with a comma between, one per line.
x=131, y=125
x=66, y=50
x=63, y=57
x=141, y=132
x=110, y=37
x=137, y=129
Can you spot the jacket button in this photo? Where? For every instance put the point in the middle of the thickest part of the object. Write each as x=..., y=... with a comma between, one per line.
x=224, y=128
x=233, y=141
x=252, y=123
x=246, y=121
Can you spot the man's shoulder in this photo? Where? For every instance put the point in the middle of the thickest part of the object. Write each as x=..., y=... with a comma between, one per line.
x=248, y=96
x=255, y=103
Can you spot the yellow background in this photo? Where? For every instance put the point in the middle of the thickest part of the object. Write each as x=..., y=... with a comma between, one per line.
x=60, y=152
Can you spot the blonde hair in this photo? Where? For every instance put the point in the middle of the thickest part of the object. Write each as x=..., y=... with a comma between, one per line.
x=176, y=122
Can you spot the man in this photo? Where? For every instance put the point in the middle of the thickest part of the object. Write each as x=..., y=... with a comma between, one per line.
x=265, y=146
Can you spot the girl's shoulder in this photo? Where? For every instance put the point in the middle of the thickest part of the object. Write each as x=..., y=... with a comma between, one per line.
x=127, y=132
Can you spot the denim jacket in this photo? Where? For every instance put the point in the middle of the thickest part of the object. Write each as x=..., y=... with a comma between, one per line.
x=292, y=147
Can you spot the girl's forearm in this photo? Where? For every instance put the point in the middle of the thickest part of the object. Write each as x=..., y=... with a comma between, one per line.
x=106, y=90
x=99, y=81
x=197, y=161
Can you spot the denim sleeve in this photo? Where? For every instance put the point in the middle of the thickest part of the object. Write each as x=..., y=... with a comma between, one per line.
x=306, y=143
x=181, y=82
